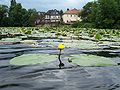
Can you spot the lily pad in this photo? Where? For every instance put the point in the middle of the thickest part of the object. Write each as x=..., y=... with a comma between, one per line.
x=91, y=60
x=29, y=42
x=110, y=44
x=115, y=46
x=23, y=37
x=13, y=40
x=32, y=59
x=81, y=44
x=43, y=35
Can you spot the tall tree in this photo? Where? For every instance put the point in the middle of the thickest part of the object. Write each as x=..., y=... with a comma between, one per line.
x=61, y=14
x=33, y=16
x=107, y=14
x=3, y=14
x=13, y=2
x=18, y=15
x=102, y=13
x=89, y=12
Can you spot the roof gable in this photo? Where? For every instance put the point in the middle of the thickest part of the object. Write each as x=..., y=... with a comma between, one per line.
x=53, y=12
x=72, y=11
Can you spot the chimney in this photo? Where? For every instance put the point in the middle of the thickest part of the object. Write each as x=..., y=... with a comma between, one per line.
x=67, y=9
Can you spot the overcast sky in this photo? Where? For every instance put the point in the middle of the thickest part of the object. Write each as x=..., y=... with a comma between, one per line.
x=44, y=5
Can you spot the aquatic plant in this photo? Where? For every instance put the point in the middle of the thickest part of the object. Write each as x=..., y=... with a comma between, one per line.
x=91, y=60
x=60, y=47
x=32, y=59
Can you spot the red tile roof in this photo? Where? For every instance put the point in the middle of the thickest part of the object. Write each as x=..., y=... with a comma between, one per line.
x=72, y=11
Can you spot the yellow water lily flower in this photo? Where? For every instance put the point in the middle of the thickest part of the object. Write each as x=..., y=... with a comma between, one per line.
x=61, y=46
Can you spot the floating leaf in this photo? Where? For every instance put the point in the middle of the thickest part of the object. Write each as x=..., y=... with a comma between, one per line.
x=81, y=44
x=115, y=46
x=91, y=60
x=10, y=40
x=29, y=42
x=110, y=44
x=23, y=37
x=32, y=59
x=98, y=36
x=42, y=35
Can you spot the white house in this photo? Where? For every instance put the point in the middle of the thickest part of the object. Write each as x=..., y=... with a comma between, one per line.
x=71, y=16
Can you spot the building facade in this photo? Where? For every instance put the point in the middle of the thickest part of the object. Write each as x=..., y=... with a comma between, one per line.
x=52, y=16
x=49, y=17
x=71, y=16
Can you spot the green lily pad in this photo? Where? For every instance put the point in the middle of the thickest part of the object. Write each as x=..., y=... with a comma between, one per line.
x=10, y=40
x=91, y=60
x=32, y=59
x=43, y=35
x=82, y=44
x=114, y=46
x=29, y=42
x=111, y=44
x=23, y=37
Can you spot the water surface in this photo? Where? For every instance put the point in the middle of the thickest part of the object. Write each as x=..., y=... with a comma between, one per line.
x=50, y=77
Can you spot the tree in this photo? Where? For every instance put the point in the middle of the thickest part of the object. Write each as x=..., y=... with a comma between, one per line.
x=20, y=16
x=33, y=16
x=89, y=12
x=13, y=3
x=3, y=14
x=61, y=14
x=108, y=13
x=102, y=13
x=15, y=13
x=118, y=14
x=25, y=17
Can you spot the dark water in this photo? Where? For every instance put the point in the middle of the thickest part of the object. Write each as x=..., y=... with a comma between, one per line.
x=49, y=77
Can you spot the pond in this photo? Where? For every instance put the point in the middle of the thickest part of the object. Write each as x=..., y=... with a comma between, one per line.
x=48, y=76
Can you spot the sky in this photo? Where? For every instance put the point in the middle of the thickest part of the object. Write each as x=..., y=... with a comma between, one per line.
x=44, y=5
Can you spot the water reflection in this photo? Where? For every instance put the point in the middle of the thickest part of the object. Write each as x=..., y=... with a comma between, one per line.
x=50, y=77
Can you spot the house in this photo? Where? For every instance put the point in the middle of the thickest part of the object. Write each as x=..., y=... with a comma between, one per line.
x=71, y=16
x=52, y=16
x=49, y=17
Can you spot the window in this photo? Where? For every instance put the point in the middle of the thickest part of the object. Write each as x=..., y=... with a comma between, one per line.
x=58, y=17
x=47, y=16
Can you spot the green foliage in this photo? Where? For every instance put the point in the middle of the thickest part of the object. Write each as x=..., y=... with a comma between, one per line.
x=91, y=60
x=102, y=14
x=98, y=36
x=28, y=32
x=108, y=14
x=16, y=15
x=33, y=15
x=82, y=25
x=76, y=24
x=3, y=15
x=61, y=13
x=89, y=11
x=61, y=33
